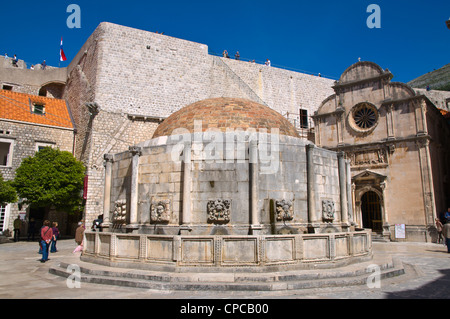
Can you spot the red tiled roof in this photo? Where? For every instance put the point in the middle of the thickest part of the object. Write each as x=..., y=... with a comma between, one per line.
x=445, y=113
x=18, y=107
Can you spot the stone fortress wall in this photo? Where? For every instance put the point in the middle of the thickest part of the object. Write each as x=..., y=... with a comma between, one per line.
x=154, y=74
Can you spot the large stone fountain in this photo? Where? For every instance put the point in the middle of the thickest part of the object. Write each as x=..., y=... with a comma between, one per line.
x=227, y=185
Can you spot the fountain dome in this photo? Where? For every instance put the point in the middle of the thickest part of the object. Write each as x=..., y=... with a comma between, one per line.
x=227, y=114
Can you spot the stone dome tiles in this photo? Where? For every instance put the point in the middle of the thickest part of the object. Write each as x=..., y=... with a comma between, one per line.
x=227, y=114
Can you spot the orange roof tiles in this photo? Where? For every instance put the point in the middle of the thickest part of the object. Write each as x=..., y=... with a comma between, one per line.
x=18, y=107
x=445, y=113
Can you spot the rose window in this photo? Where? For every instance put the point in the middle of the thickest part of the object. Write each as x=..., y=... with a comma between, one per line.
x=364, y=117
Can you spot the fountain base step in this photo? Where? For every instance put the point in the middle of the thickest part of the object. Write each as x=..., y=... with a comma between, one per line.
x=352, y=275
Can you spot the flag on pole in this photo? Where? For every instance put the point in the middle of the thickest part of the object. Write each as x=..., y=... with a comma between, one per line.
x=62, y=56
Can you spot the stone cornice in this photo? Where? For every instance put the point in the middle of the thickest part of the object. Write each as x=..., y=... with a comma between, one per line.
x=338, y=86
x=348, y=147
x=336, y=112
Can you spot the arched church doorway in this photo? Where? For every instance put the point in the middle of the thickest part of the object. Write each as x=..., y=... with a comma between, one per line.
x=371, y=212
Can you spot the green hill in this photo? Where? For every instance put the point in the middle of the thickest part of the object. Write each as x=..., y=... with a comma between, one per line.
x=437, y=80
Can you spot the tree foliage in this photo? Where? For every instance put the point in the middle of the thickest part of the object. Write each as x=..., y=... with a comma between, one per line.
x=51, y=178
x=7, y=192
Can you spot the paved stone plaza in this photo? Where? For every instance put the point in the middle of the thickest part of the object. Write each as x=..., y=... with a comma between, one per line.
x=22, y=276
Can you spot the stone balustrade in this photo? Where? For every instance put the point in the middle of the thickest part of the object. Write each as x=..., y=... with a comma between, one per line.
x=227, y=253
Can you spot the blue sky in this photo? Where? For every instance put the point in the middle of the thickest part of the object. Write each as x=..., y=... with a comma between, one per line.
x=312, y=36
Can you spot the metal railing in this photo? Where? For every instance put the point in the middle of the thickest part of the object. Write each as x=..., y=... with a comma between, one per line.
x=275, y=66
x=296, y=120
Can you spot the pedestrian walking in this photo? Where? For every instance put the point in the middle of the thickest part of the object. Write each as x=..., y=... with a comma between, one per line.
x=17, y=225
x=79, y=236
x=439, y=230
x=55, y=237
x=46, y=239
x=446, y=233
x=79, y=233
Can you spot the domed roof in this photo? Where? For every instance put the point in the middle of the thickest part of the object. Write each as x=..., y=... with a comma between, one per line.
x=227, y=113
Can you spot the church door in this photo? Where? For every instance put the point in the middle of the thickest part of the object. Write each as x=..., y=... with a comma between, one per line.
x=371, y=212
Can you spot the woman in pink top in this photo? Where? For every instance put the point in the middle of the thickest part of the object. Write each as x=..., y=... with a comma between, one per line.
x=46, y=239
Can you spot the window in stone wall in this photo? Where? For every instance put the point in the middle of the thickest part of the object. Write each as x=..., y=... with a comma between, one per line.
x=6, y=148
x=364, y=117
x=42, y=145
x=303, y=119
x=2, y=217
x=7, y=87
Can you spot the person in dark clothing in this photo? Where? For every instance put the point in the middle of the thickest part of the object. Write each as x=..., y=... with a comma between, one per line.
x=31, y=229
x=446, y=233
x=15, y=61
x=17, y=226
x=55, y=231
x=444, y=216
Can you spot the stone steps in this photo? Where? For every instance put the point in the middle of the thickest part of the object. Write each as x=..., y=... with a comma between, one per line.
x=354, y=275
x=379, y=238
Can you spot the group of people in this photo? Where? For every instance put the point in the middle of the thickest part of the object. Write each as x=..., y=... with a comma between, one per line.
x=50, y=235
x=237, y=56
x=15, y=62
x=225, y=54
x=443, y=228
x=18, y=223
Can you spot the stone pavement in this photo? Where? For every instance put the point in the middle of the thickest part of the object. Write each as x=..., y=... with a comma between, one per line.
x=22, y=276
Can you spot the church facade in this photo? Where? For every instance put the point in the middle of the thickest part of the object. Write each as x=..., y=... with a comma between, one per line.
x=397, y=142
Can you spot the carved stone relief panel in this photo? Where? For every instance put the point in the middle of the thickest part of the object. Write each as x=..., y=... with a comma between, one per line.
x=120, y=212
x=368, y=157
x=160, y=211
x=328, y=210
x=284, y=210
x=219, y=211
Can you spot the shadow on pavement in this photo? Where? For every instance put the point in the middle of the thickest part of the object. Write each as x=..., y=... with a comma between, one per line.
x=437, y=289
